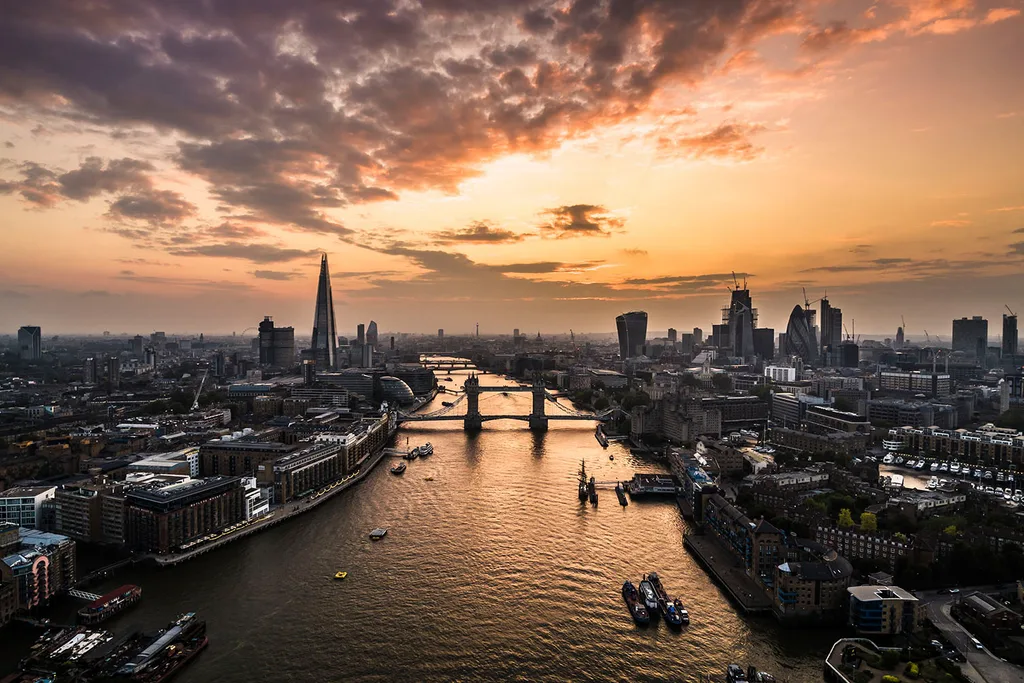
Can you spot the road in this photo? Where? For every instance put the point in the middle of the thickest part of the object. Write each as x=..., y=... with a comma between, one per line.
x=981, y=665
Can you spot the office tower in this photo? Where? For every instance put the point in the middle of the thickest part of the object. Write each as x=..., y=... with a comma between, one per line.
x=1009, y=335
x=478, y=330
x=783, y=345
x=440, y=333
x=216, y=364
x=309, y=372
x=698, y=335
x=673, y=335
x=740, y=319
x=276, y=344
x=325, y=331
x=30, y=342
x=158, y=339
x=114, y=373
x=138, y=346
x=800, y=336
x=371, y=335
x=970, y=335
x=91, y=371
x=150, y=357
x=392, y=343
x=632, y=331
x=830, y=338
x=367, y=356
x=360, y=334
x=849, y=354
x=686, y=342
x=515, y=337
x=764, y=342
x=719, y=336
x=899, y=338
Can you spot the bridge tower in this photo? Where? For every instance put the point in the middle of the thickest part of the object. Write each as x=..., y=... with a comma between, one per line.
x=473, y=421
x=538, y=422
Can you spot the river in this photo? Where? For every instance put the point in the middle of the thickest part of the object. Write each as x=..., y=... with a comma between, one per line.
x=491, y=570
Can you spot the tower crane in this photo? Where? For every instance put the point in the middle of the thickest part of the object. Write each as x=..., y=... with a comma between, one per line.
x=926, y=336
x=1011, y=312
x=195, y=403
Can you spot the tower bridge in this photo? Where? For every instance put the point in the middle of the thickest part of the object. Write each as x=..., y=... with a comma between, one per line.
x=473, y=419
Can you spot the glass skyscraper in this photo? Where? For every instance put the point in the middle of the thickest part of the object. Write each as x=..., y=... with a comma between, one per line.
x=325, y=331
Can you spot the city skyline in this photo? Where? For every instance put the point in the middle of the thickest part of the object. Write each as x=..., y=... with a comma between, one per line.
x=541, y=171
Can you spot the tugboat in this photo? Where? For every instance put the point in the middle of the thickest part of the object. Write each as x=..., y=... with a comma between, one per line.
x=399, y=468
x=683, y=614
x=632, y=598
x=583, y=481
x=650, y=598
x=734, y=674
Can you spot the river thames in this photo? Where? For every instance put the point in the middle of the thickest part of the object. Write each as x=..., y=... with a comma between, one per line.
x=491, y=570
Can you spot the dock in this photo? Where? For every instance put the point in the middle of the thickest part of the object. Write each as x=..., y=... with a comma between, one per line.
x=720, y=562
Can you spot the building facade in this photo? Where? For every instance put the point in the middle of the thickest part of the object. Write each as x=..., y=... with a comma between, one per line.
x=162, y=519
x=884, y=610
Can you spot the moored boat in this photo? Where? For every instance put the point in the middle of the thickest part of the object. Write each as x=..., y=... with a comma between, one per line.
x=672, y=615
x=114, y=602
x=649, y=597
x=426, y=449
x=621, y=494
x=399, y=468
x=683, y=614
x=636, y=609
x=583, y=481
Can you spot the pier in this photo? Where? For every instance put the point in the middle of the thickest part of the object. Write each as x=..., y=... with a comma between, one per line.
x=723, y=567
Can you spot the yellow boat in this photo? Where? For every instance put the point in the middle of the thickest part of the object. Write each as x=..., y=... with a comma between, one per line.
x=340, y=575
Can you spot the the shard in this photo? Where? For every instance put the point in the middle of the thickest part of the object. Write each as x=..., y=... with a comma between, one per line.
x=325, y=331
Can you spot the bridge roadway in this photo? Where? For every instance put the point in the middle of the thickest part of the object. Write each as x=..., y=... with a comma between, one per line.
x=488, y=418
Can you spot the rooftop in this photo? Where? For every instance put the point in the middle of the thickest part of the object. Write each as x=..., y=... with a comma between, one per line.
x=25, y=491
x=872, y=593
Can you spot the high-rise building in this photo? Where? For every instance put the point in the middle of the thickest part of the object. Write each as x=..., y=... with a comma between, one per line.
x=740, y=319
x=632, y=331
x=800, y=335
x=831, y=332
x=899, y=338
x=114, y=373
x=30, y=342
x=1009, y=335
x=673, y=335
x=138, y=346
x=698, y=335
x=360, y=334
x=440, y=333
x=764, y=342
x=371, y=335
x=970, y=335
x=91, y=371
x=277, y=344
x=325, y=331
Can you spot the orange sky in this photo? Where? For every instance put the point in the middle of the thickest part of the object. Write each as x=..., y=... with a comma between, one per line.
x=533, y=164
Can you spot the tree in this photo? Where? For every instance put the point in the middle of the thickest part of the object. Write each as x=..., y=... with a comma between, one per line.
x=601, y=403
x=722, y=382
x=950, y=530
x=868, y=521
x=845, y=518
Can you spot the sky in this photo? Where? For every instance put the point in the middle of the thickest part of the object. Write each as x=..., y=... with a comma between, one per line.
x=533, y=164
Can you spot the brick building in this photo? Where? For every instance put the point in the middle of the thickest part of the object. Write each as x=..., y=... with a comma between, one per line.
x=163, y=518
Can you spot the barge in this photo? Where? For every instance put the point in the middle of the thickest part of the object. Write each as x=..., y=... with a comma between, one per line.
x=114, y=602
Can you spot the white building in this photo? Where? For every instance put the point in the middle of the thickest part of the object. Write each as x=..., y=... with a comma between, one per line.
x=779, y=373
x=21, y=505
x=257, y=500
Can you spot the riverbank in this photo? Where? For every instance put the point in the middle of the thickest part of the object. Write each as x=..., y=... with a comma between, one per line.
x=281, y=514
x=721, y=565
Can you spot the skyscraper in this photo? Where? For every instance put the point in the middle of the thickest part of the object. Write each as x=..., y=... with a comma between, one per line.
x=371, y=335
x=698, y=335
x=673, y=335
x=740, y=319
x=91, y=370
x=800, y=335
x=632, y=330
x=30, y=342
x=899, y=338
x=970, y=335
x=1009, y=335
x=325, y=331
x=360, y=334
x=114, y=373
x=138, y=347
x=831, y=332
x=277, y=344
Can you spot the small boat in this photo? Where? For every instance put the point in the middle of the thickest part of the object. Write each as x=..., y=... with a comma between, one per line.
x=650, y=598
x=340, y=576
x=426, y=449
x=621, y=494
x=632, y=598
x=683, y=614
x=428, y=479
x=399, y=468
x=378, y=533
x=413, y=454
x=447, y=404
x=672, y=615
x=611, y=457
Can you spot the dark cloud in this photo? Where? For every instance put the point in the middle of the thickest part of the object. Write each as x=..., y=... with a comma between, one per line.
x=580, y=220
x=1018, y=231
x=480, y=232
x=715, y=280
x=290, y=110
x=727, y=141
x=275, y=274
x=1017, y=248
x=862, y=249
x=93, y=178
x=635, y=252
x=156, y=207
x=257, y=253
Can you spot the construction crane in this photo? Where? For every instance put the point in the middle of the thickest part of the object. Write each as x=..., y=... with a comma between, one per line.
x=1012, y=314
x=926, y=336
x=195, y=403
x=808, y=304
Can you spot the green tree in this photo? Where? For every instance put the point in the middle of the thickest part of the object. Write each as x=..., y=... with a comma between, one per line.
x=721, y=382
x=845, y=518
x=868, y=521
x=601, y=403
x=950, y=530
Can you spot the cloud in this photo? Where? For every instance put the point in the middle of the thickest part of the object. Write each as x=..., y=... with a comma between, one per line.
x=635, y=252
x=861, y=249
x=727, y=141
x=951, y=223
x=275, y=274
x=45, y=187
x=156, y=207
x=479, y=232
x=580, y=220
x=1017, y=248
x=1007, y=209
x=1018, y=231
x=257, y=253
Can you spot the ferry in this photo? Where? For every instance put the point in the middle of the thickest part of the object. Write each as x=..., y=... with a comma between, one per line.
x=399, y=468
x=378, y=533
x=340, y=576
x=650, y=598
x=114, y=602
x=632, y=598
x=447, y=404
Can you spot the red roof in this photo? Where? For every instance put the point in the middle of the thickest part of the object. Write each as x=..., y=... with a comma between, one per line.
x=116, y=593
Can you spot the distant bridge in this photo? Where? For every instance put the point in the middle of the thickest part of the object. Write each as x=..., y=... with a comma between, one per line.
x=473, y=419
x=446, y=363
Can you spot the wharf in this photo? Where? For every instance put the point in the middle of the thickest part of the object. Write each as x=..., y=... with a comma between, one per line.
x=721, y=564
x=281, y=514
